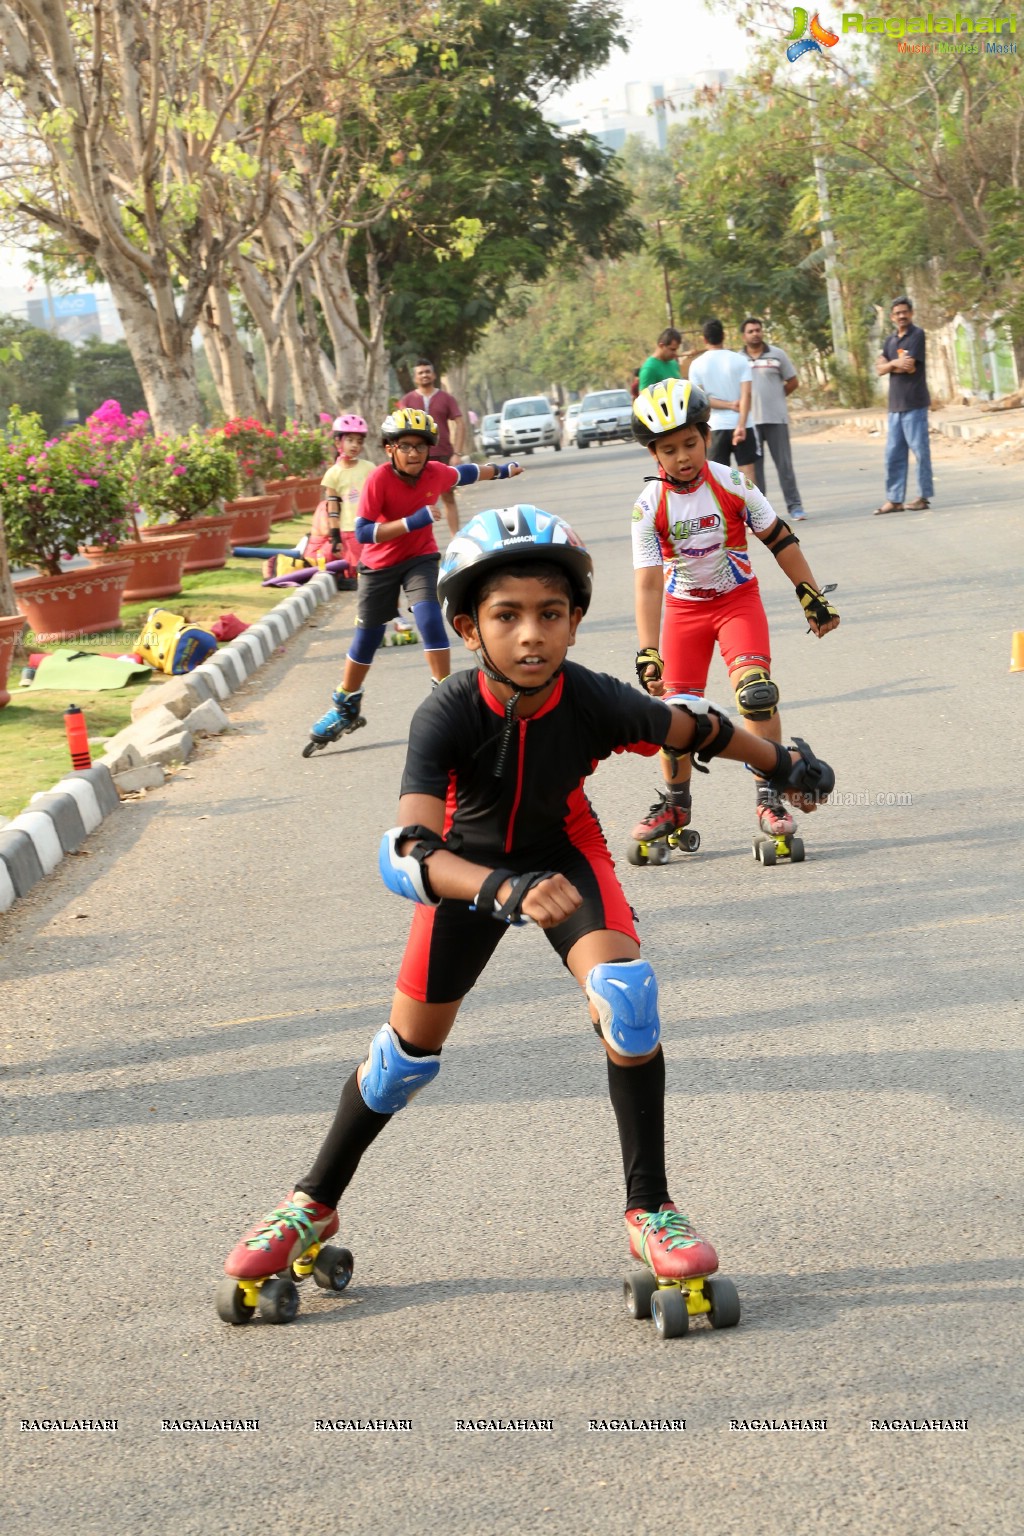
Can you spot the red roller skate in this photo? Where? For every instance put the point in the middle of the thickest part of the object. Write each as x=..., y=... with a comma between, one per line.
x=777, y=839
x=666, y=826
x=675, y=1284
x=284, y=1248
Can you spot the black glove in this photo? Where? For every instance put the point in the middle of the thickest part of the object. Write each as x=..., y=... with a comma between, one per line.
x=646, y=659
x=807, y=776
x=815, y=604
x=335, y=541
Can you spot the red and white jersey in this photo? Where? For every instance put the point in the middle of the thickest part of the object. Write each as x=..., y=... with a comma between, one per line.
x=699, y=535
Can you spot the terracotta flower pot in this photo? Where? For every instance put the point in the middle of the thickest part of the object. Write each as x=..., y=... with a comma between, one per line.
x=83, y=602
x=10, y=629
x=307, y=494
x=157, y=564
x=253, y=516
x=284, y=490
x=212, y=547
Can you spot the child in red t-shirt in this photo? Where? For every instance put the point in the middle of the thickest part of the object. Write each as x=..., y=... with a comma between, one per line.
x=395, y=530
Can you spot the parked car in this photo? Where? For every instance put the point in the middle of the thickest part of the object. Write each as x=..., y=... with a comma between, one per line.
x=490, y=441
x=528, y=423
x=572, y=417
x=605, y=417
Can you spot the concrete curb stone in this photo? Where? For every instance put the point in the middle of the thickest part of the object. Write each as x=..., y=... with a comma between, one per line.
x=19, y=858
x=63, y=811
x=57, y=822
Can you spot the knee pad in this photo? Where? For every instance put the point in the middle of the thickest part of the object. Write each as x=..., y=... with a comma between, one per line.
x=390, y=1077
x=365, y=643
x=756, y=695
x=625, y=995
x=430, y=624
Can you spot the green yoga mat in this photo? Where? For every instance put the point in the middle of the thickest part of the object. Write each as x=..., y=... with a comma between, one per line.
x=79, y=671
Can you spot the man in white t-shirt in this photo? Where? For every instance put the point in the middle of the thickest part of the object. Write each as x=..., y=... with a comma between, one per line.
x=727, y=380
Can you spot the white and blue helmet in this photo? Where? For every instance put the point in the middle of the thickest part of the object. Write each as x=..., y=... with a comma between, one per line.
x=507, y=536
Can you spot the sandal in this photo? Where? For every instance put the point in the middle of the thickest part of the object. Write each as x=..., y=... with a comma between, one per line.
x=889, y=506
x=920, y=505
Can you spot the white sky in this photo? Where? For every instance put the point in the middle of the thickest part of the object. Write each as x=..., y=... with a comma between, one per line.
x=670, y=39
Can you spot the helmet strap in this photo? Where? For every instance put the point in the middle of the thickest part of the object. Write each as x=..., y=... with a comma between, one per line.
x=679, y=485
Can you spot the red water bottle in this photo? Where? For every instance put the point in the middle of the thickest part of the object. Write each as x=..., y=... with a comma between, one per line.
x=78, y=737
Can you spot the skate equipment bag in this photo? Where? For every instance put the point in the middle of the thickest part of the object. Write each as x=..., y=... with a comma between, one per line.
x=283, y=565
x=170, y=644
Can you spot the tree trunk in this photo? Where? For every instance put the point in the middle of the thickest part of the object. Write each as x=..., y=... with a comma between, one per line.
x=230, y=362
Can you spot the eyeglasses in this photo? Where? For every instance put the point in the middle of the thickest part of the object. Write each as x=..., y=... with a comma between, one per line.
x=408, y=449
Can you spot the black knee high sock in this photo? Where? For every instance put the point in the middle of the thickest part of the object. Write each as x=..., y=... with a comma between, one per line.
x=638, y=1099
x=354, y=1129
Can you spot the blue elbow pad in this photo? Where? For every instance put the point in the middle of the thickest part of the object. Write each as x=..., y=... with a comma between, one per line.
x=364, y=530
x=468, y=474
x=406, y=874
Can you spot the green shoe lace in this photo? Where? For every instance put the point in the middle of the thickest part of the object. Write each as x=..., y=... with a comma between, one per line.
x=674, y=1224
x=294, y=1216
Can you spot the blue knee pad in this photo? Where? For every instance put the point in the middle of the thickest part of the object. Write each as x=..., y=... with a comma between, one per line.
x=625, y=995
x=390, y=1077
x=431, y=625
x=365, y=643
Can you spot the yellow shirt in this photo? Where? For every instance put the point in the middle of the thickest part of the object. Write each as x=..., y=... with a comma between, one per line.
x=346, y=481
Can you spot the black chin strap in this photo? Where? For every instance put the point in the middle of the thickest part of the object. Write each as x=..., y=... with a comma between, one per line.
x=686, y=486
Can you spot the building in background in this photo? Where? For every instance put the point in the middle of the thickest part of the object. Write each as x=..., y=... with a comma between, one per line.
x=645, y=108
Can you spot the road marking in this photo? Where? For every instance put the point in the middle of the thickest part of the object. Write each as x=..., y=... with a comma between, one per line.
x=297, y=1013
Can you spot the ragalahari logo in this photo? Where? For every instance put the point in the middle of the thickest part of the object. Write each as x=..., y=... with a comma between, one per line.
x=820, y=37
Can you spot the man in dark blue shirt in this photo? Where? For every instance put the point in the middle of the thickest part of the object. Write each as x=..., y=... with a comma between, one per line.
x=902, y=358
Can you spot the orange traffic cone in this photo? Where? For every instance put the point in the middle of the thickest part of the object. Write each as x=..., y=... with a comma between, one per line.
x=1017, y=651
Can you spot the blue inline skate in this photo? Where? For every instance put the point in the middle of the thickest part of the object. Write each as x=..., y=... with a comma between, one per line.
x=340, y=720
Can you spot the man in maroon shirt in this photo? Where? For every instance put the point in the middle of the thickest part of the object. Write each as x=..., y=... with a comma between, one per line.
x=445, y=410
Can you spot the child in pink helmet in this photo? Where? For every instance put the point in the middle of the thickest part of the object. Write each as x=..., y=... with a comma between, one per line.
x=332, y=536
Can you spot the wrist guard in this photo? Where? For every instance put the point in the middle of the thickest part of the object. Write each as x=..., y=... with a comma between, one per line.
x=808, y=776
x=406, y=874
x=649, y=657
x=421, y=518
x=815, y=605
x=502, y=471
x=335, y=540
x=512, y=911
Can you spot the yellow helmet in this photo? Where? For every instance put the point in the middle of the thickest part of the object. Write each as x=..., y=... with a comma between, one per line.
x=667, y=406
x=406, y=422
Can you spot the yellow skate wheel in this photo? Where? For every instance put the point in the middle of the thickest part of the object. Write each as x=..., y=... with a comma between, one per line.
x=766, y=854
x=796, y=850
x=637, y=853
x=668, y=1308
x=639, y=1288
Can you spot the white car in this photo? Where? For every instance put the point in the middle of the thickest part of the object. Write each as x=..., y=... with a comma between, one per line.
x=572, y=417
x=605, y=417
x=528, y=423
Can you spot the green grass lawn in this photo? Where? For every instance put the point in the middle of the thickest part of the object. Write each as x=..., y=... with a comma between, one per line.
x=33, y=747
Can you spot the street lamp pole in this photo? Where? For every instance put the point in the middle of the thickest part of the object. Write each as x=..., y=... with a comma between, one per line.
x=837, y=319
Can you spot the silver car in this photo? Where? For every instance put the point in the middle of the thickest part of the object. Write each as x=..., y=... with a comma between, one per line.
x=605, y=417
x=490, y=442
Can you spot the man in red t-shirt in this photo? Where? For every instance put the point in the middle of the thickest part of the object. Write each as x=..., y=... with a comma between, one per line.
x=451, y=428
x=395, y=530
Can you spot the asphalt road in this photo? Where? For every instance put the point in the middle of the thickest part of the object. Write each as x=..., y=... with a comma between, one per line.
x=182, y=1002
